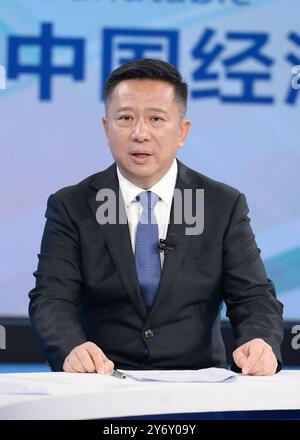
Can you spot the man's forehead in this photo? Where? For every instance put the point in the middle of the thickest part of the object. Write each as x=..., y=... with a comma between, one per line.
x=144, y=88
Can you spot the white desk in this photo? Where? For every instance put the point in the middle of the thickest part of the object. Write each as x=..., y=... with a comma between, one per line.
x=96, y=396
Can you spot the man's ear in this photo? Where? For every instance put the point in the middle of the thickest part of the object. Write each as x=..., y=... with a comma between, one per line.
x=105, y=124
x=183, y=131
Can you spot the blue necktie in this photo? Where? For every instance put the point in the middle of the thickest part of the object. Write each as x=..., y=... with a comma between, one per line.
x=147, y=258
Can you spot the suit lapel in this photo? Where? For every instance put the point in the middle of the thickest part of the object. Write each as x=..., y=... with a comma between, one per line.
x=173, y=259
x=117, y=238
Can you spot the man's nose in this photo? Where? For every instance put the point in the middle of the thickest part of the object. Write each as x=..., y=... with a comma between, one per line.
x=140, y=132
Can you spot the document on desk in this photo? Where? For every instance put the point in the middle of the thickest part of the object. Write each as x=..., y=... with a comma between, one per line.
x=202, y=375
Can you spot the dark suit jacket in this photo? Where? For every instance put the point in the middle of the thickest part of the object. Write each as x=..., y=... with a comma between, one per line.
x=87, y=287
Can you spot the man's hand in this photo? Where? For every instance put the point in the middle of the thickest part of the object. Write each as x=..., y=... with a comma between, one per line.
x=87, y=358
x=256, y=357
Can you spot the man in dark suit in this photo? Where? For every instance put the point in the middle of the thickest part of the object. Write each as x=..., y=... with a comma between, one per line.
x=105, y=297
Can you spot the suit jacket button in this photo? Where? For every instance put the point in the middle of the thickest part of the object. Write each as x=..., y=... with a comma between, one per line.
x=148, y=334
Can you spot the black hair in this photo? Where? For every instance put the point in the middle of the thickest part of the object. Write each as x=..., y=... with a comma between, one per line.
x=147, y=68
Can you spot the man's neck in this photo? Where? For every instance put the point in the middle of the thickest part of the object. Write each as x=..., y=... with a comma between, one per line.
x=144, y=182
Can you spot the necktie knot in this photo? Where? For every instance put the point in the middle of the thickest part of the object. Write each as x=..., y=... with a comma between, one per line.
x=147, y=199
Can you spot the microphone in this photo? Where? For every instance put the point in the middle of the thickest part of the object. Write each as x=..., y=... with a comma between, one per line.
x=168, y=244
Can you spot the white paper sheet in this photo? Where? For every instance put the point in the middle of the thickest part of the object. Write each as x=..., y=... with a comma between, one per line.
x=202, y=375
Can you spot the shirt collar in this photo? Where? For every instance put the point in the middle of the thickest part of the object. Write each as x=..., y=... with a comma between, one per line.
x=164, y=188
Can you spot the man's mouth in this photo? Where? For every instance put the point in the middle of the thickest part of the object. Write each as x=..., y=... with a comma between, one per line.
x=140, y=158
x=140, y=154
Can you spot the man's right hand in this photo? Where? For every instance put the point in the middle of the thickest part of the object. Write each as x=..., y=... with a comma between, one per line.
x=87, y=358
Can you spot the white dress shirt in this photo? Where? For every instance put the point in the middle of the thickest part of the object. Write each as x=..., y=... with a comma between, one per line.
x=164, y=188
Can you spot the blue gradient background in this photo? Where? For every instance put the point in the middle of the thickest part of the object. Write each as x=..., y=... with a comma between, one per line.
x=45, y=145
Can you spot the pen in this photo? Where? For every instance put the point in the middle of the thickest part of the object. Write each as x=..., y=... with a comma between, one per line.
x=118, y=374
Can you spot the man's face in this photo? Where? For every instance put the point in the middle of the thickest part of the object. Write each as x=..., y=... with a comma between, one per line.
x=144, y=129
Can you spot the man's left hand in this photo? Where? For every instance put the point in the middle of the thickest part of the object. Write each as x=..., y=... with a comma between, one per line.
x=256, y=357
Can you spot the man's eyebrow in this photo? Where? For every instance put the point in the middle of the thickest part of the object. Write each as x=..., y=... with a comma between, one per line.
x=121, y=109
x=155, y=109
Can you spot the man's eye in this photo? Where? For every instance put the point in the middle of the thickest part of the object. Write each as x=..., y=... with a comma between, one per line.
x=125, y=117
x=157, y=118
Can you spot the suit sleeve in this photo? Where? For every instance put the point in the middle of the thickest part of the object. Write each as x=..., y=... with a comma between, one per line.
x=250, y=297
x=54, y=307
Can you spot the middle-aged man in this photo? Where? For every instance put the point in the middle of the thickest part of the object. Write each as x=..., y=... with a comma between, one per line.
x=106, y=297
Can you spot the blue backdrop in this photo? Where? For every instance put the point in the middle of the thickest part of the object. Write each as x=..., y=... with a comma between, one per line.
x=237, y=57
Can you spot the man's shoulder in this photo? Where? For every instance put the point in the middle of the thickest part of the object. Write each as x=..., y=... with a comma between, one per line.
x=214, y=187
x=82, y=189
